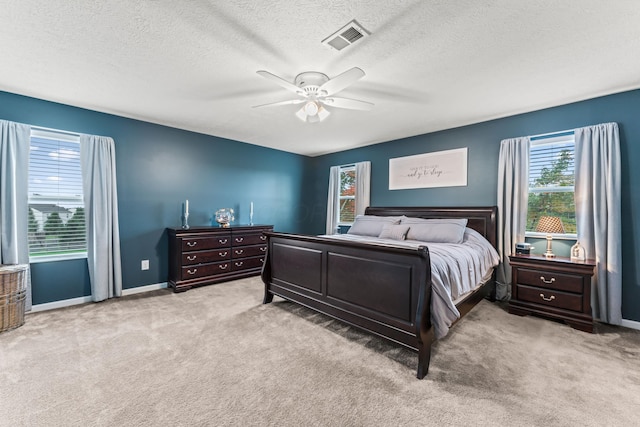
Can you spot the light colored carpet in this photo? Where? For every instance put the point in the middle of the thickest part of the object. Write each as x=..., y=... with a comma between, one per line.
x=216, y=356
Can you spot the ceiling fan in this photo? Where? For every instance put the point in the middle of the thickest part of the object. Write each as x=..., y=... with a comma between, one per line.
x=315, y=90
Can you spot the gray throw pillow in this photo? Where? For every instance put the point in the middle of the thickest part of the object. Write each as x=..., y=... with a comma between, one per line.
x=371, y=225
x=440, y=230
x=394, y=231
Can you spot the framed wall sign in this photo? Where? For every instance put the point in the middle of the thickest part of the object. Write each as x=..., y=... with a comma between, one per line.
x=440, y=169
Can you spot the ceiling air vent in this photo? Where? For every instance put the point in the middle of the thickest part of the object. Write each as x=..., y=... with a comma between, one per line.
x=346, y=36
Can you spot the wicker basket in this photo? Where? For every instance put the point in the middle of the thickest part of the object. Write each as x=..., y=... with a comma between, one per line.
x=13, y=294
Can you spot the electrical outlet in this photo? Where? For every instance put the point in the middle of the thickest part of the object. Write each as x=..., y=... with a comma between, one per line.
x=145, y=264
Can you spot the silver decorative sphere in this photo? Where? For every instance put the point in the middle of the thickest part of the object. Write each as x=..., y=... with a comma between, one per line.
x=224, y=216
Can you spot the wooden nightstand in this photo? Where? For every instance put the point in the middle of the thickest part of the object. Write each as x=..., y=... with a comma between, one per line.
x=552, y=287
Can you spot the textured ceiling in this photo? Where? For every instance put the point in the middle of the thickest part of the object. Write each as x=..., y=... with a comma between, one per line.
x=430, y=65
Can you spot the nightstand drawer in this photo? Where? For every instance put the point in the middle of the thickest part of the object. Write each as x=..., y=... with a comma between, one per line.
x=551, y=280
x=549, y=297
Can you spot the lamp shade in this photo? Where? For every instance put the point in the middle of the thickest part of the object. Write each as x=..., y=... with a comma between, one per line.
x=550, y=224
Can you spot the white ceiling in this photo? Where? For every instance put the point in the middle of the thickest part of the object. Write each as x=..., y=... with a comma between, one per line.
x=430, y=65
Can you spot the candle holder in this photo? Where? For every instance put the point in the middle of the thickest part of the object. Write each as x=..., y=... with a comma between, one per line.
x=251, y=218
x=185, y=221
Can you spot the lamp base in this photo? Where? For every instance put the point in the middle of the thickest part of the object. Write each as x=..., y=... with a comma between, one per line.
x=549, y=253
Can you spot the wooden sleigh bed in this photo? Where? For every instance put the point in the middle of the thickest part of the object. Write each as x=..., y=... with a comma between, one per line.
x=383, y=290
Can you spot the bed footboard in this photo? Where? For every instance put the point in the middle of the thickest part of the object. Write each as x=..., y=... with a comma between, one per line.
x=380, y=289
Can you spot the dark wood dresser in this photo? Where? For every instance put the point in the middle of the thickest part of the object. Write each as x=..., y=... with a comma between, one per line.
x=557, y=288
x=206, y=255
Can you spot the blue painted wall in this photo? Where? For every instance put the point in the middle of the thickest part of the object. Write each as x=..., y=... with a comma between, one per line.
x=483, y=142
x=158, y=167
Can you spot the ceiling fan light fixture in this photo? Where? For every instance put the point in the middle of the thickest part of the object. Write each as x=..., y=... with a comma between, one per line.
x=301, y=114
x=312, y=112
x=323, y=113
x=311, y=108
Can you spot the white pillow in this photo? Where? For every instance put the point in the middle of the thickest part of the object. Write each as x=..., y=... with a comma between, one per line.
x=371, y=225
x=440, y=230
x=394, y=231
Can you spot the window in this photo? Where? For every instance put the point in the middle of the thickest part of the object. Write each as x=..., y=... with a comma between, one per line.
x=551, y=182
x=56, y=202
x=347, y=196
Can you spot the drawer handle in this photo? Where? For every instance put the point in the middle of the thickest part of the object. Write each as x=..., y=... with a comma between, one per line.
x=222, y=253
x=222, y=241
x=239, y=251
x=263, y=249
x=263, y=237
x=191, y=244
x=551, y=298
x=192, y=272
x=239, y=264
x=223, y=266
x=262, y=260
x=191, y=258
x=239, y=239
x=548, y=282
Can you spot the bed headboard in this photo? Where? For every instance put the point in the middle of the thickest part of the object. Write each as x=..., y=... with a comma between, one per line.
x=481, y=219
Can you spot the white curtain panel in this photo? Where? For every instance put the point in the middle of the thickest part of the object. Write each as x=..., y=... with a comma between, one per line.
x=513, y=196
x=597, y=197
x=363, y=186
x=15, y=139
x=332, y=200
x=98, y=159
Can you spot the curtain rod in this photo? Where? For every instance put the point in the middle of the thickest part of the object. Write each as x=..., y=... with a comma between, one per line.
x=552, y=134
x=66, y=132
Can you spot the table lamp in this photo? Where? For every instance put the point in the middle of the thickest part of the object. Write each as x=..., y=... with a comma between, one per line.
x=549, y=225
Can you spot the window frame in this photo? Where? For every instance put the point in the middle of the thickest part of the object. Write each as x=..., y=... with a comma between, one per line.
x=341, y=170
x=55, y=135
x=555, y=138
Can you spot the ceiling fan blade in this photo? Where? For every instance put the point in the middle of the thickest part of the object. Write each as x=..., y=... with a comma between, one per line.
x=341, y=81
x=351, y=104
x=280, y=81
x=275, y=104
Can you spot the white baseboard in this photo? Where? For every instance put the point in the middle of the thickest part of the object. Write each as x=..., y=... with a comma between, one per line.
x=59, y=304
x=147, y=288
x=630, y=324
x=83, y=300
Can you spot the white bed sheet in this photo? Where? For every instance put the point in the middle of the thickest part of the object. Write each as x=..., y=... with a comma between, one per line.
x=456, y=269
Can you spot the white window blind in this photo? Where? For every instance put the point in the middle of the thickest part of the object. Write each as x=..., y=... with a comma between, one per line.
x=57, y=227
x=552, y=181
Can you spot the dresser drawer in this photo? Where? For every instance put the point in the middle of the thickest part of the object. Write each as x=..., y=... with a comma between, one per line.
x=248, y=251
x=200, y=243
x=202, y=270
x=549, y=297
x=203, y=257
x=249, y=239
x=551, y=280
x=247, y=263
